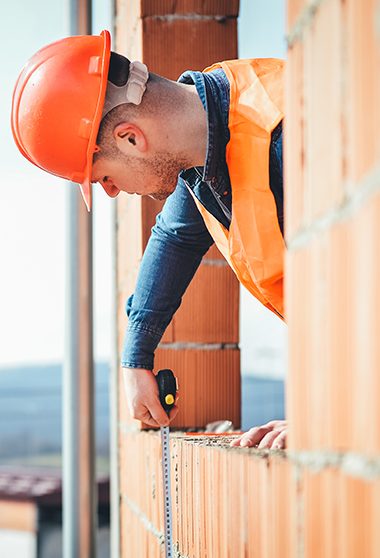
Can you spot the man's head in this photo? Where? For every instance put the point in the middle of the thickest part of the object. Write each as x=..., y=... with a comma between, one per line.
x=137, y=145
x=88, y=115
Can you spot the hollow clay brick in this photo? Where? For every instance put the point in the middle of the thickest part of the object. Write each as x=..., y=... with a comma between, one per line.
x=190, y=7
x=207, y=42
x=323, y=110
x=339, y=515
x=334, y=353
x=294, y=146
x=339, y=324
x=209, y=384
x=320, y=342
x=357, y=520
x=365, y=311
x=323, y=530
x=362, y=88
x=294, y=10
x=210, y=309
x=137, y=541
x=298, y=319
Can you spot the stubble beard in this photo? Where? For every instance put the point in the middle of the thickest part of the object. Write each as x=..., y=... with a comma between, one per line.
x=166, y=168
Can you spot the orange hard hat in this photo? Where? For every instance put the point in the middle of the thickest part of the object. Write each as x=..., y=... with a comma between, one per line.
x=57, y=107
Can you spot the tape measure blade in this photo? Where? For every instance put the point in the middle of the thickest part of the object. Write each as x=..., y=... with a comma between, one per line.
x=167, y=491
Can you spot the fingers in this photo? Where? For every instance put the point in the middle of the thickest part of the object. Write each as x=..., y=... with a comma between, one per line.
x=280, y=441
x=269, y=436
x=155, y=416
x=147, y=419
x=253, y=436
x=141, y=391
x=158, y=413
x=268, y=440
x=277, y=424
x=173, y=412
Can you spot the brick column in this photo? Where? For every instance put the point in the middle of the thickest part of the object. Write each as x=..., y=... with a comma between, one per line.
x=201, y=343
x=333, y=295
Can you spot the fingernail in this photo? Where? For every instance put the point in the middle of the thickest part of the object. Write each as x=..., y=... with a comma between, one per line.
x=244, y=444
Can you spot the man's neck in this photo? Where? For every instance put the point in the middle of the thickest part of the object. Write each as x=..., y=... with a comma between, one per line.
x=189, y=126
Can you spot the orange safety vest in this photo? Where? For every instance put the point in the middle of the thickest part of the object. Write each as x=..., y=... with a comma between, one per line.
x=253, y=246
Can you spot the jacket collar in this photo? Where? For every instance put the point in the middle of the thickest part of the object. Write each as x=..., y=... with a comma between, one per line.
x=213, y=91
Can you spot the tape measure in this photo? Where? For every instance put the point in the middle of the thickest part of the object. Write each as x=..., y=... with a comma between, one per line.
x=167, y=388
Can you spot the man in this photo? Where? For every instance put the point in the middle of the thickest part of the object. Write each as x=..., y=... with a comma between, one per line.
x=211, y=144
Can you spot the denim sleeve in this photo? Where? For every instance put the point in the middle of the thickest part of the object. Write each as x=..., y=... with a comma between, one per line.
x=175, y=249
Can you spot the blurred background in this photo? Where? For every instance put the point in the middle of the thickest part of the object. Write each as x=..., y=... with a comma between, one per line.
x=32, y=232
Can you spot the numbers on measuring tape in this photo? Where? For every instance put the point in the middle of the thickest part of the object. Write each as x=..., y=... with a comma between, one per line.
x=167, y=495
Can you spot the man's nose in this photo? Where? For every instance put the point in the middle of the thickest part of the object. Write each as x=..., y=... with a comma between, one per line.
x=109, y=187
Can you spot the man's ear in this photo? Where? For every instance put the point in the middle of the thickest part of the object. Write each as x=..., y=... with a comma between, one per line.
x=130, y=138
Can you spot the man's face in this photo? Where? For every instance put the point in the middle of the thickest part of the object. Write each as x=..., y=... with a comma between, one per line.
x=155, y=176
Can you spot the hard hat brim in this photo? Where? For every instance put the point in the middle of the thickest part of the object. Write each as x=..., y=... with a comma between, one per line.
x=86, y=191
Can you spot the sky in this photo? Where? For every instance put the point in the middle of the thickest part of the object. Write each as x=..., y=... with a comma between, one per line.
x=32, y=213
x=32, y=207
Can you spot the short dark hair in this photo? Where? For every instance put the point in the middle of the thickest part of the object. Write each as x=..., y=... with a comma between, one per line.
x=118, y=74
x=118, y=71
x=157, y=100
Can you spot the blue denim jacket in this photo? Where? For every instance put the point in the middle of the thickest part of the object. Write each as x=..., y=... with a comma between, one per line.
x=180, y=238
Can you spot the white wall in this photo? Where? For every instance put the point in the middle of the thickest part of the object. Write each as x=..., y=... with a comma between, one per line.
x=17, y=544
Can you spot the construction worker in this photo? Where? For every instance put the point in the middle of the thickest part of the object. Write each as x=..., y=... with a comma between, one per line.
x=209, y=144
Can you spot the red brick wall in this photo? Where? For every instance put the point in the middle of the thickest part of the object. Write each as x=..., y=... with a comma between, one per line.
x=332, y=228
x=201, y=343
x=226, y=503
x=321, y=498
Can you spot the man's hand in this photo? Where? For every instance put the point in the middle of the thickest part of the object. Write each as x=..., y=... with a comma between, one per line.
x=271, y=435
x=141, y=391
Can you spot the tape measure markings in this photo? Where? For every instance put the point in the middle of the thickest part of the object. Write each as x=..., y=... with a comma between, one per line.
x=167, y=493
